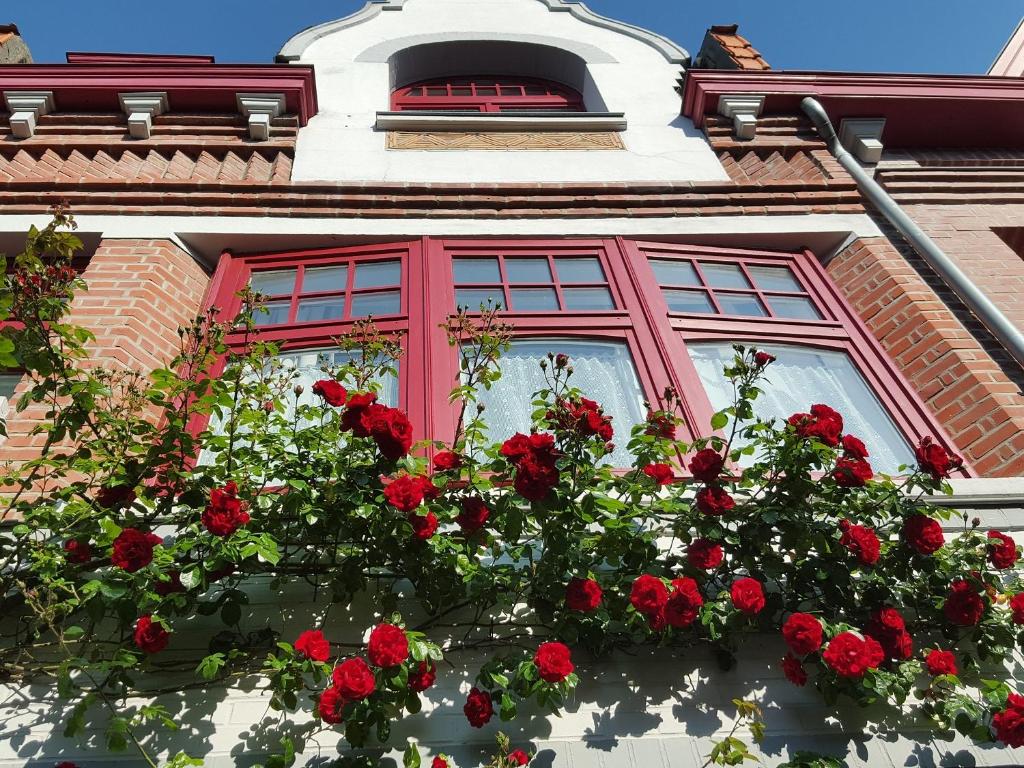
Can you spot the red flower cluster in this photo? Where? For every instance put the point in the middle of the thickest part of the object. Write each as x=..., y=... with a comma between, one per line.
x=940, y=662
x=445, y=461
x=77, y=552
x=854, y=448
x=584, y=417
x=224, y=514
x=150, y=636
x=331, y=391
x=964, y=606
x=388, y=646
x=330, y=705
x=313, y=645
x=353, y=679
x=478, y=708
x=474, y=514
x=1002, y=550
x=439, y=762
x=706, y=465
x=861, y=541
x=1009, y=723
x=660, y=424
x=133, y=549
x=802, y=633
x=423, y=526
x=747, y=595
x=390, y=428
x=714, y=500
x=822, y=422
x=355, y=409
x=518, y=758
x=534, y=458
x=794, y=670
x=648, y=595
x=923, y=534
x=554, y=662
x=422, y=676
x=115, y=496
x=661, y=474
x=406, y=492
x=889, y=629
x=583, y=595
x=851, y=655
x=935, y=460
x=851, y=473
x=1017, y=608
x=683, y=604
x=704, y=554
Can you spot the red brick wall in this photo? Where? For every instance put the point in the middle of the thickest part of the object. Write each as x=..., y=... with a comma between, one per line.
x=973, y=398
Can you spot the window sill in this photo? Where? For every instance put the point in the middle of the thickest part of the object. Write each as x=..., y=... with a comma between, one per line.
x=431, y=120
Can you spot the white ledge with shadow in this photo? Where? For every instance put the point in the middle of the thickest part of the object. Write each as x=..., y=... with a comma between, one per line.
x=508, y=120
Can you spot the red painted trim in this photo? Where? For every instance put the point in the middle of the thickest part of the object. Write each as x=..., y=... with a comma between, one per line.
x=558, y=96
x=85, y=57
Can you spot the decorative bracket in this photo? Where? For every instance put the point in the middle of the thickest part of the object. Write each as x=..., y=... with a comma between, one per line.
x=260, y=109
x=141, y=108
x=744, y=110
x=26, y=107
x=863, y=137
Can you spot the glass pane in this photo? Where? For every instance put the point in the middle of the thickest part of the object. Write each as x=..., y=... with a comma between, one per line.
x=723, y=275
x=486, y=90
x=476, y=271
x=8, y=382
x=604, y=371
x=375, y=273
x=740, y=304
x=801, y=377
x=796, y=307
x=461, y=90
x=383, y=303
x=689, y=301
x=511, y=90
x=277, y=313
x=332, y=308
x=415, y=91
x=534, y=299
x=437, y=91
x=674, y=273
x=774, y=278
x=579, y=270
x=473, y=298
x=536, y=90
x=528, y=270
x=587, y=298
x=322, y=279
x=277, y=283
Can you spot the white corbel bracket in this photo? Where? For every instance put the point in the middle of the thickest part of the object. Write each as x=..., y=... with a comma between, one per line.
x=141, y=108
x=744, y=110
x=26, y=107
x=863, y=137
x=260, y=109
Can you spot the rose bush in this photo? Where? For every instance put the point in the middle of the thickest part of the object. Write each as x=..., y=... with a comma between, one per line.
x=531, y=549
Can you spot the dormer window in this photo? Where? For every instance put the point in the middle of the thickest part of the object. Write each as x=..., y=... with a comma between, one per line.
x=486, y=94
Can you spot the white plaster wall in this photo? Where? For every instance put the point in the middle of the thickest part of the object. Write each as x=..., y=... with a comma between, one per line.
x=340, y=143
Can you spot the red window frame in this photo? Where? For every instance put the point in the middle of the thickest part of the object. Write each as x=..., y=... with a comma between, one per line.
x=472, y=93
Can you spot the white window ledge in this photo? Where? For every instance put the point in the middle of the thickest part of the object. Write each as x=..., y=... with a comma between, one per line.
x=438, y=120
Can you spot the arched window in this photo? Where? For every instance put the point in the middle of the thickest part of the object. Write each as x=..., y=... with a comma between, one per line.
x=486, y=94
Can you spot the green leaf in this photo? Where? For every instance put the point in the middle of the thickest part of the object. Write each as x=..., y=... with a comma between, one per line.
x=411, y=756
x=719, y=420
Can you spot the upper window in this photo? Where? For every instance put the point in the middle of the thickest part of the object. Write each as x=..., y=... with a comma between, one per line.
x=486, y=94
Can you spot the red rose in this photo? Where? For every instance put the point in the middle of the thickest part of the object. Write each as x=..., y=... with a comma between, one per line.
x=150, y=636
x=516, y=447
x=923, y=534
x=423, y=526
x=224, y=514
x=940, y=662
x=889, y=629
x=133, y=549
x=583, y=595
x=474, y=514
x=582, y=416
x=794, y=670
x=851, y=655
x=851, y=473
x=822, y=423
x=77, y=552
x=761, y=359
x=478, y=708
x=706, y=465
x=439, y=762
x=714, y=500
x=535, y=478
x=330, y=705
x=802, y=633
x=422, y=676
x=313, y=645
x=388, y=646
x=1017, y=608
x=407, y=492
x=354, y=679
x=861, y=541
x=389, y=428
x=854, y=448
x=115, y=496
x=964, y=606
x=554, y=662
x=445, y=461
x=352, y=418
x=747, y=595
x=561, y=360
x=660, y=424
x=648, y=595
x=1009, y=723
x=935, y=460
x=684, y=603
x=659, y=473
x=171, y=586
x=331, y=391
x=518, y=757
x=1002, y=550
x=704, y=554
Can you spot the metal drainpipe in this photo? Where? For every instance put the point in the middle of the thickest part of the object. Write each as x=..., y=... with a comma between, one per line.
x=997, y=323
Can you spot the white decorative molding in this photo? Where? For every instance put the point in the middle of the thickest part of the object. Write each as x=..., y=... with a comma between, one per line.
x=744, y=110
x=293, y=49
x=863, y=137
x=500, y=121
x=141, y=108
x=260, y=109
x=26, y=107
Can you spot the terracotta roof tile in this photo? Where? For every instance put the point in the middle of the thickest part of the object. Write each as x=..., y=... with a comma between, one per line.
x=5, y=36
x=735, y=48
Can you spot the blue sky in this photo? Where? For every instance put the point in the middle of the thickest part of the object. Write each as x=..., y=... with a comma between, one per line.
x=957, y=36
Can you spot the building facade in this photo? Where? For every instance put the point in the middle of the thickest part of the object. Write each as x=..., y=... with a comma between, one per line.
x=621, y=200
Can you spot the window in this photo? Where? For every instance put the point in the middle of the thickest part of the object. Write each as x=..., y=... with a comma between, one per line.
x=486, y=94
